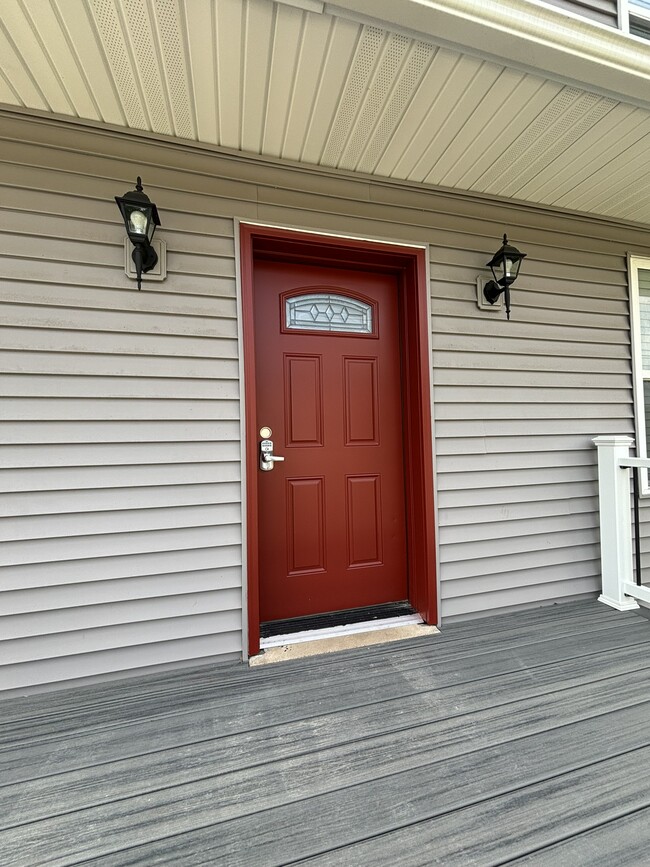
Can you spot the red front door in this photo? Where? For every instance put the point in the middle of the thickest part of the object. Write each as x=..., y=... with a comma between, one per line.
x=332, y=515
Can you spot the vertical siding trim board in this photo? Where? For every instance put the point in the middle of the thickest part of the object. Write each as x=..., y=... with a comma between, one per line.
x=244, y=422
x=411, y=261
x=634, y=264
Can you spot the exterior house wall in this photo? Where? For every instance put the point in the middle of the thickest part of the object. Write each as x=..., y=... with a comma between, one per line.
x=121, y=450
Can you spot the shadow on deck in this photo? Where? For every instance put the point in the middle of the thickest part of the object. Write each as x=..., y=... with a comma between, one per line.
x=521, y=738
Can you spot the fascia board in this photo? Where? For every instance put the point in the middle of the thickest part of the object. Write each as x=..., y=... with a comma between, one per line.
x=525, y=34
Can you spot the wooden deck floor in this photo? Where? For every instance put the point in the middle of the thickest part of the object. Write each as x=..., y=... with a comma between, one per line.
x=522, y=739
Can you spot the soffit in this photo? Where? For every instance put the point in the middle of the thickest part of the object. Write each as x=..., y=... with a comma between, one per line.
x=324, y=89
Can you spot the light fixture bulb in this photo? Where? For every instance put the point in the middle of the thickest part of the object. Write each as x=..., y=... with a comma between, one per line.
x=138, y=222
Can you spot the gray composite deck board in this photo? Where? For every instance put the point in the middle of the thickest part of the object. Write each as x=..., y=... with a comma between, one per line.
x=192, y=730
x=523, y=733
x=624, y=841
x=68, y=711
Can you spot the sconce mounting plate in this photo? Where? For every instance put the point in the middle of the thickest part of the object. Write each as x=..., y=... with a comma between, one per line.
x=480, y=298
x=159, y=271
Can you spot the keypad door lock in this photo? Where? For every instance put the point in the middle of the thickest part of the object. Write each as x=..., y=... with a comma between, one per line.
x=267, y=458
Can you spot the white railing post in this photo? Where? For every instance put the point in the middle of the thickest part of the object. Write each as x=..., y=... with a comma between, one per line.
x=615, y=520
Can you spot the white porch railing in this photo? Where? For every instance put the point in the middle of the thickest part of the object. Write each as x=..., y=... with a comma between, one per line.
x=614, y=463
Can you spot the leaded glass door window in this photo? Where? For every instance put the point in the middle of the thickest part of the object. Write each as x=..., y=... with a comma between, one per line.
x=328, y=311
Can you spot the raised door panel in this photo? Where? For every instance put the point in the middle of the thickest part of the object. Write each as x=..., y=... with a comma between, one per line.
x=364, y=521
x=360, y=401
x=305, y=525
x=303, y=400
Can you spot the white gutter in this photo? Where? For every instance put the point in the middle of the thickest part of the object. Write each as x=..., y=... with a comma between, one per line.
x=530, y=35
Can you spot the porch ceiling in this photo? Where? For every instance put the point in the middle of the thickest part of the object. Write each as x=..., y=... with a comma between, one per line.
x=327, y=87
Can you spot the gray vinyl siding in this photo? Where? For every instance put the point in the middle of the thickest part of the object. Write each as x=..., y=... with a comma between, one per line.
x=603, y=11
x=121, y=424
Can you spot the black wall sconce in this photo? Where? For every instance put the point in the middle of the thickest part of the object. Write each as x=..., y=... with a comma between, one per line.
x=505, y=266
x=140, y=217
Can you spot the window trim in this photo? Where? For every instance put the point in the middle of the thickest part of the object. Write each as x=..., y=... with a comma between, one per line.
x=630, y=15
x=634, y=11
x=634, y=265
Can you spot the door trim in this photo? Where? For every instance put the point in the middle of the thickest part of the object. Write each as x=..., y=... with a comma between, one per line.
x=409, y=265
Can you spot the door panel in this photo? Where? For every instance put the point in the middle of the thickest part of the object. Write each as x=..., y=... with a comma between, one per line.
x=303, y=400
x=365, y=525
x=328, y=383
x=360, y=401
x=305, y=526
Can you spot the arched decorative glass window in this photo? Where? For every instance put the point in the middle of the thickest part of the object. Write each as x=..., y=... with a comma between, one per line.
x=327, y=311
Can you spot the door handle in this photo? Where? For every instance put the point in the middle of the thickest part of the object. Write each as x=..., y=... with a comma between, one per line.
x=267, y=458
x=267, y=462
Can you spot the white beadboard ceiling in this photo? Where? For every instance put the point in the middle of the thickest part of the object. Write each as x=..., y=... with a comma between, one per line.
x=322, y=88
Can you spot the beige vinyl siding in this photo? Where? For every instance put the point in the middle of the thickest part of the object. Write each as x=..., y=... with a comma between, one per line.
x=603, y=11
x=121, y=537
x=524, y=419
x=121, y=421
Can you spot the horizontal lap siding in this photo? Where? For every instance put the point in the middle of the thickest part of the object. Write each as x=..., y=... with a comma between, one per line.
x=121, y=461
x=122, y=436
x=517, y=404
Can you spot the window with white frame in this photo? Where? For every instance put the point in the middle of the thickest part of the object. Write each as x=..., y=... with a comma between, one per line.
x=639, y=18
x=639, y=270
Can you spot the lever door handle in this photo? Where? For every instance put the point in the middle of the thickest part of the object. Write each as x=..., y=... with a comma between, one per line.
x=267, y=461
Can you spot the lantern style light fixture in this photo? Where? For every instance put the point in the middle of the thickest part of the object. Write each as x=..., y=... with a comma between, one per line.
x=140, y=217
x=505, y=266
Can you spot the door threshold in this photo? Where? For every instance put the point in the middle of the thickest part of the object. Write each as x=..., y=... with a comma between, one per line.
x=313, y=642
x=309, y=623
x=336, y=631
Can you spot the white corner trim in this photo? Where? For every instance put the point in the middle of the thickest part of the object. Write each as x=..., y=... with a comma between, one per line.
x=634, y=264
